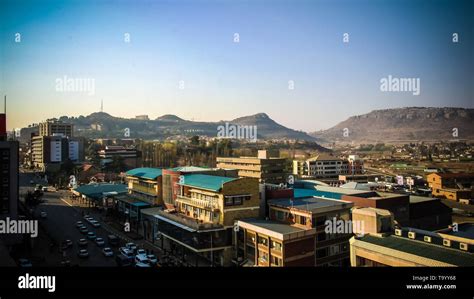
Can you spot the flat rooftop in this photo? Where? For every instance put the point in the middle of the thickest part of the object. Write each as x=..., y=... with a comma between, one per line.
x=430, y=251
x=274, y=229
x=310, y=204
x=464, y=230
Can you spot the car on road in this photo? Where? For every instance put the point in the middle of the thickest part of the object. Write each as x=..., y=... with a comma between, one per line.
x=141, y=259
x=79, y=224
x=131, y=246
x=99, y=241
x=43, y=214
x=91, y=236
x=107, y=252
x=83, y=253
x=126, y=252
x=152, y=258
x=84, y=230
x=95, y=223
x=141, y=252
x=25, y=263
x=88, y=219
x=82, y=242
x=113, y=240
x=143, y=264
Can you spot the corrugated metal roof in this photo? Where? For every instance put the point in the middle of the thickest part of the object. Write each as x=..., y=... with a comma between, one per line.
x=145, y=173
x=96, y=191
x=208, y=182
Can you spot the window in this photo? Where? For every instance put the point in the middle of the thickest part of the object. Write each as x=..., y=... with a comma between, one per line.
x=280, y=215
x=228, y=201
x=276, y=246
x=237, y=200
x=263, y=241
x=301, y=220
x=276, y=261
x=320, y=253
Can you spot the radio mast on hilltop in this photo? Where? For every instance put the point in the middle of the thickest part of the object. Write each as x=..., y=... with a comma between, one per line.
x=101, y=105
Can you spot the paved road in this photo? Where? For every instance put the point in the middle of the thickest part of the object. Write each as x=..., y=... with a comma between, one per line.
x=60, y=225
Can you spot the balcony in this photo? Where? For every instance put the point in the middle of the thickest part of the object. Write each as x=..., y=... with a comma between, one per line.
x=144, y=189
x=200, y=203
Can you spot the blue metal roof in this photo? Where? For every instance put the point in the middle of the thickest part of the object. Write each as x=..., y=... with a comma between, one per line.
x=204, y=181
x=145, y=173
x=96, y=191
x=300, y=193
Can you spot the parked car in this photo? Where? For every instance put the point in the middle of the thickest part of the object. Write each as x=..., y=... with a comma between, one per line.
x=141, y=252
x=79, y=224
x=65, y=244
x=91, y=236
x=141, y=259
x=83, y=253
x=107, y=251
x=82, y=242
x=95, y=223
x=126, y=252
x=84, y=230
x=43, y=214
x=99, y=241
x=131, y=246
x=89, y=219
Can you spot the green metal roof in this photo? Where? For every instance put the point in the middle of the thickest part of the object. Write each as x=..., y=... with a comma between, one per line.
x=145, y=173
x=431, y=251
x=208, y=182
x=96, y=191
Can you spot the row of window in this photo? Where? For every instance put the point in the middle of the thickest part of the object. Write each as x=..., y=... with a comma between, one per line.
x=235, y=200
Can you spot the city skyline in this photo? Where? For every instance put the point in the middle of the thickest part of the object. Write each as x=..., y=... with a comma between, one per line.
x=187, y=60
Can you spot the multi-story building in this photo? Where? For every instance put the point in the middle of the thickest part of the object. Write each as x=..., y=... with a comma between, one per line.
x=295, y=234
x=49, y=152
x=454, y=186
x=326, y=166
x=146, y=184
x=51, y=128
x=383, y=246
x=199, y=230
x=171, y=178
x=130, y=155
x=9, y=185
x=264, y=167
x=356, y=165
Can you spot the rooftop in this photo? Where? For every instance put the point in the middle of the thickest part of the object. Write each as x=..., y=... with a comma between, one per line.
x=96, y=191
x=426, y=250
x=145, y=173
x=204, y=181
x=188, y=169
x=454, y=175
x=310, y=204
x=281, y=231
x=464, y=230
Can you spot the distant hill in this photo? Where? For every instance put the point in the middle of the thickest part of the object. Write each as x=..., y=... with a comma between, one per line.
x=403, y=124
x=101, y=125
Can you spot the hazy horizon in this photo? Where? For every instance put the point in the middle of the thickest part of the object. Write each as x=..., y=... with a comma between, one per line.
x=193, y=42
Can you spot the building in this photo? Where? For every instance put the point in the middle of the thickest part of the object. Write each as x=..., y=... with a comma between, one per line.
x=411, y=247
x=295, y=234
x=264, y=167
x=9, y=185
x=130, y=155
x=49, y=152
x=199, y=229
x=146, y=184
x=325, y=166
x=54, y=127
x=356, y=165
x=172, y=176
x=454, y=186
x=142, y=117
x=429, y=213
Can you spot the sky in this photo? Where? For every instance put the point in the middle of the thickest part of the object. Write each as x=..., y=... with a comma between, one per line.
x=182, y=57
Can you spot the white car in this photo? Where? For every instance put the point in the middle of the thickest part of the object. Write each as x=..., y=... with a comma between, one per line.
x=99, y=241
x=126, y=252
x=107, y=252
x=141, y=252
x=131, y=246
x=94, y=223
x=142, y=265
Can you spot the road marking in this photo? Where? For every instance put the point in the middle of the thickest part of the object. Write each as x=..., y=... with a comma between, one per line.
x=66, y=202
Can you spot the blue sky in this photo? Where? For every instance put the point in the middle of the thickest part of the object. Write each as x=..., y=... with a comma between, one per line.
x=193, y=41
